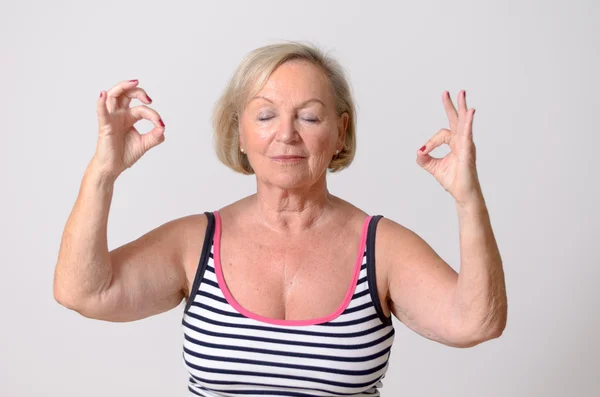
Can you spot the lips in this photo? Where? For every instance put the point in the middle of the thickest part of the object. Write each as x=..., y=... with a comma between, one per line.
x=287, y=157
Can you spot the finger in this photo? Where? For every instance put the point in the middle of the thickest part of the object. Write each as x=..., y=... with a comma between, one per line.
x=115, y=92
x=462, y=103
x=442, y=136
x=101, y=110
x=121, y=87
x=136, y=92
x=469, y=124
x=144, y=112
x=427, y=162
x=450, y=110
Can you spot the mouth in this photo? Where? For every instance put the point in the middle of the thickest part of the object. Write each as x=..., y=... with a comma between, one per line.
x=288, y=159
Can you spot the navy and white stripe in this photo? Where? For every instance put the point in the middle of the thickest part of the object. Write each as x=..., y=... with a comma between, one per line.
x=230, y=354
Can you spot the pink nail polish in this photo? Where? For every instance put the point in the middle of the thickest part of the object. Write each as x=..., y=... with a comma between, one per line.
x=149, y=99
x=131, y=81
x=161, y=122
x=422, y=149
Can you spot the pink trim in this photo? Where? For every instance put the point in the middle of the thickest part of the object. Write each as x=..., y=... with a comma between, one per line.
x=231, y=300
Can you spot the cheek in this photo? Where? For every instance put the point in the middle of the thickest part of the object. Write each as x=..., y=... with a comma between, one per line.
x=321, y=138
x=255, y=134
x=262, y=131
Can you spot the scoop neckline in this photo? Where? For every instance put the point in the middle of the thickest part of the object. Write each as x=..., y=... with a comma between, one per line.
x=274, y=321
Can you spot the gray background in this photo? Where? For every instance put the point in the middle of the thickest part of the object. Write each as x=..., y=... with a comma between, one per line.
x=529, y=68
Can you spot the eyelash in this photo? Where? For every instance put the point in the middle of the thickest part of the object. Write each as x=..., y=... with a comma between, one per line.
x=309, y=120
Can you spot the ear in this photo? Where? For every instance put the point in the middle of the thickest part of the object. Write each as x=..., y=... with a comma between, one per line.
x=342, y=127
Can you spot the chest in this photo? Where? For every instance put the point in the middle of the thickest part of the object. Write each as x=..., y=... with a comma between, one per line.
x=294, y=277
x=287, y=279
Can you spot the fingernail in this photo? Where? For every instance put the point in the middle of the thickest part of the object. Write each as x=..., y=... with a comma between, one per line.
x=422, y=149
x=100, y=94
x=161, y=122
x=131, y=81
x=149, y=99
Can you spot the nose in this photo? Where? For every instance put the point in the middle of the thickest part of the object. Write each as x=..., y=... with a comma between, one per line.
x=286, y=131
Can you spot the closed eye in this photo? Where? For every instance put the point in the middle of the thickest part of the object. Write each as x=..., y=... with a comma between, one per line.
x=269, y=118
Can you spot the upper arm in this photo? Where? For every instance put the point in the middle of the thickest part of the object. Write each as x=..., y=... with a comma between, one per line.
x=421, y=285
x=148, y=274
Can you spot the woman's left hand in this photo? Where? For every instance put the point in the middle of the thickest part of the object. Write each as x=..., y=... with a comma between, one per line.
x=456, y=171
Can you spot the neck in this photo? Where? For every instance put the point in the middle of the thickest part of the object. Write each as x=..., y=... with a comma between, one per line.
x=292, y=210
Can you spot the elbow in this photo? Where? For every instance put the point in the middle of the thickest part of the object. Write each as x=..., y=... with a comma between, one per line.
x=495, y=326
x=78, y=304
x=60, y=295
x=72, y=300
x=493, y=333
x=479, y=335
x=466, y=341
x=64, y=298
x=63, y=295
x=68, y=295
x=465, y=337
x=490, y=328
x=498, y=329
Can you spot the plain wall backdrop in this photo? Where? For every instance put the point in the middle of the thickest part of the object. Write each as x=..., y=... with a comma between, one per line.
x=530, y=68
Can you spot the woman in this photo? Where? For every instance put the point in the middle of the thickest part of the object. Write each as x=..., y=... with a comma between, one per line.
x=285, y=290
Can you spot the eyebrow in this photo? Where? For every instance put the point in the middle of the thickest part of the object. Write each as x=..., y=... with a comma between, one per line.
x=301, y=105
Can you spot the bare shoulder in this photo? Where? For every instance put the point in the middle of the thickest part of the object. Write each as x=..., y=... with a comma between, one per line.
x=180, y=238
x=404, y=256
x=396, y=243
x=191, y=233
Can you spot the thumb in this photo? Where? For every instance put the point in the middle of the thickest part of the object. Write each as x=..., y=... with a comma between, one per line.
x=102, y=110
x=153, y=138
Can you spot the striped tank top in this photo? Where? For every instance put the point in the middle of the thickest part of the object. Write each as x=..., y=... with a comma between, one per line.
x=230, y=351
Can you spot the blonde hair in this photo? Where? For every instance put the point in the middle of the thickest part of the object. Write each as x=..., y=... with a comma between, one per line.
x=254, y=70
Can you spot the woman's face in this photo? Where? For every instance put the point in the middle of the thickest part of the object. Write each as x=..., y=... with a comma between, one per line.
x=292, y=115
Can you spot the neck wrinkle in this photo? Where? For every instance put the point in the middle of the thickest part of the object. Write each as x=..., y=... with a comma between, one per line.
x=292, y=211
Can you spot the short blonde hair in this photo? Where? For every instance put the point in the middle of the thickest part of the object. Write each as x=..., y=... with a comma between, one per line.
x=254, y=70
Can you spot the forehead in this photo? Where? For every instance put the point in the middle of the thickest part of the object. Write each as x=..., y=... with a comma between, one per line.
x=297, y=80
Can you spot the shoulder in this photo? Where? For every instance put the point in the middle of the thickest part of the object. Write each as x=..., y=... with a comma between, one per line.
x=408, y=262
x=191, y=231
x=399, y=249
x=398, y=244
x=187, y=227
x=390, y=232
x=183, y=234
x=177, y=232
x=188, y=234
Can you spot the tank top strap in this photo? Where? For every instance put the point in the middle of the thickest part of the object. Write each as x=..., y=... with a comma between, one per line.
x=371, y=274
x=206, y=249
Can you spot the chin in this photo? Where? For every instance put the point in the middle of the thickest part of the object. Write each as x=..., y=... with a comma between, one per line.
x=289, y=180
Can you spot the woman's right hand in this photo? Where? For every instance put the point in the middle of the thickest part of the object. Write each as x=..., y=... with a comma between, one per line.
x=120, y=145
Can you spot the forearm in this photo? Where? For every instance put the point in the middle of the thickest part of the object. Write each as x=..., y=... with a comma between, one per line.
x=480, y=300
x=83, y=267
